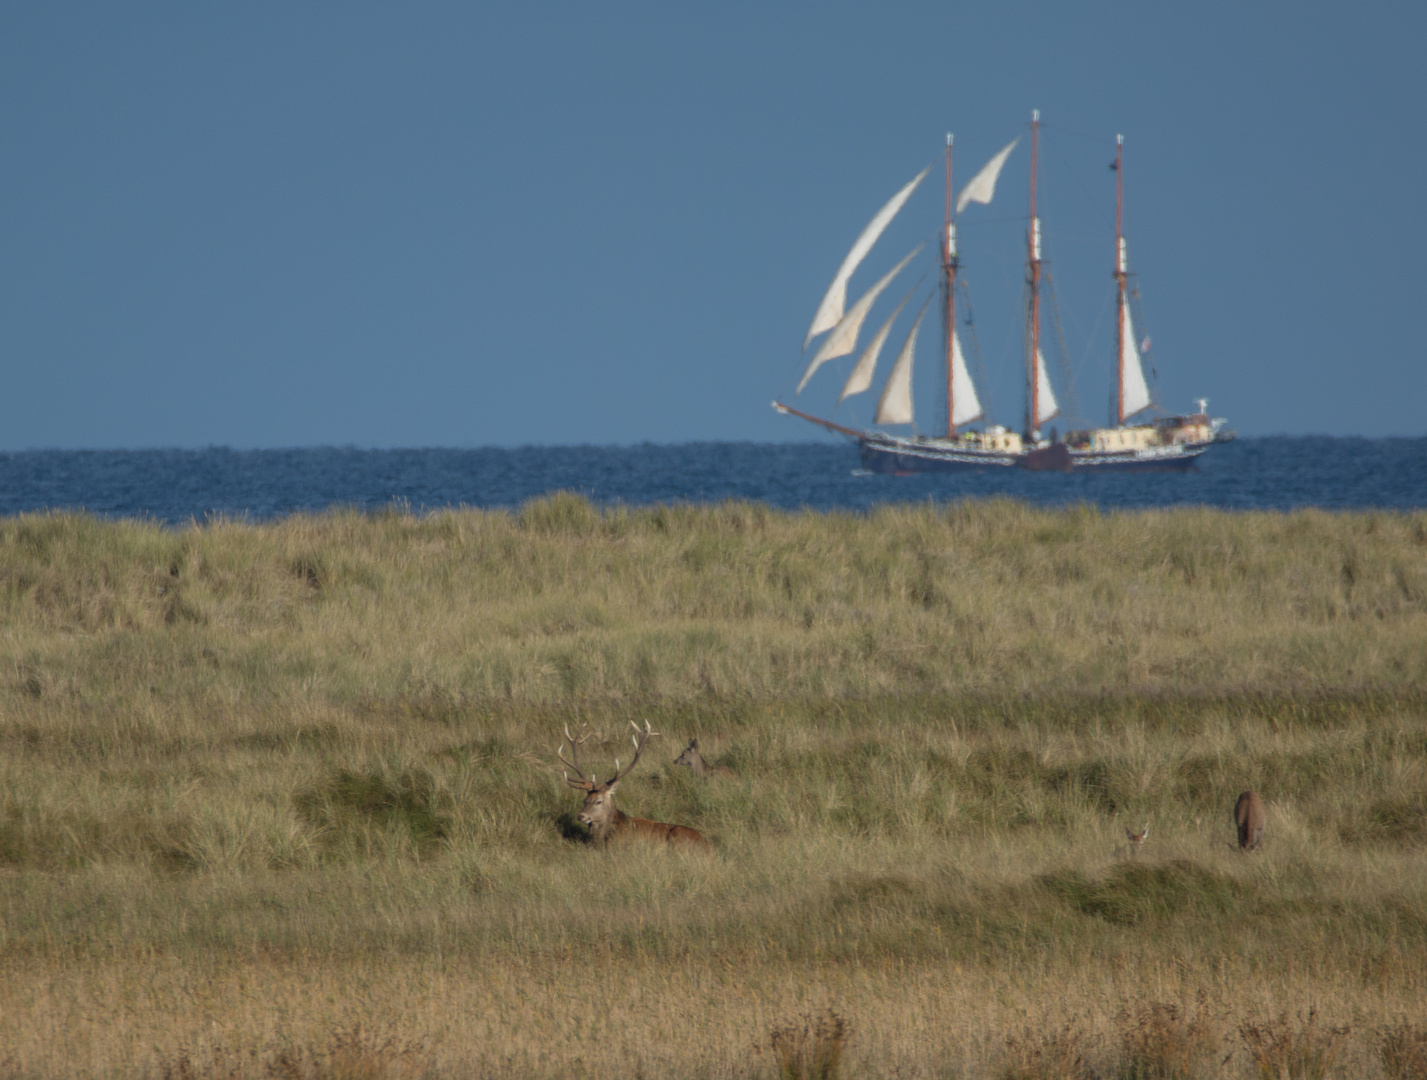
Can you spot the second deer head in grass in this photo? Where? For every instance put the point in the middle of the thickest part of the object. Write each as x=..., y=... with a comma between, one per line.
x=694, y=761
x=1137, y=838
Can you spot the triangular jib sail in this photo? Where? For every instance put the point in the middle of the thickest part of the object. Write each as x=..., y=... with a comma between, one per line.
x=895, y=404
x=861, y=377
x=843, y=338
x=1136, y=392
x=829, y=312
x=983, y=185
x=1047, y=406
x=966, y=406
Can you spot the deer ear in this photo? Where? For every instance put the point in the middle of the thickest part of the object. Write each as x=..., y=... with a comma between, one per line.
x=694, y=743
x=612, y=785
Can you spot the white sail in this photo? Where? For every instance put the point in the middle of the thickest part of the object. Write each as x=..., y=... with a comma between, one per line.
x=895, y=404
x=829, y=312
x=983, y=185
x=1137, y=393
x=1045, y=397
x=843, y=338
x=861, y=377
x=965, y=405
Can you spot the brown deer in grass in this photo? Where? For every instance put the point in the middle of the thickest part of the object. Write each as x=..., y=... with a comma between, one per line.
x=1251, y=817
x=1137, y=838
x=694, y=761
x=599, y=814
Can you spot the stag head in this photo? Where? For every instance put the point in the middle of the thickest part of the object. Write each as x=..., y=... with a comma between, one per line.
x=598, y=812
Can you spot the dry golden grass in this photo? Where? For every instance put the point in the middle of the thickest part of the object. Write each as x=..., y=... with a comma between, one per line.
x=282, y=800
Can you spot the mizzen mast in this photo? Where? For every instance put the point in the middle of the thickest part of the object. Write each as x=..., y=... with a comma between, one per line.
x=948, y=271
x=1121, y=271
x=1132, y=393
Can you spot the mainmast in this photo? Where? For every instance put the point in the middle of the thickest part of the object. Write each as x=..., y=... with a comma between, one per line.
x=1033, y=238
x=1121, y=270
x=948, y=271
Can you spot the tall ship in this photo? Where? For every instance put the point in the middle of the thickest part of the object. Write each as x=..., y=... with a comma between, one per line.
x=1154, y=441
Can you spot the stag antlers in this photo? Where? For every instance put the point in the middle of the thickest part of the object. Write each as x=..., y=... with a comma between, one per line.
x=639, y=738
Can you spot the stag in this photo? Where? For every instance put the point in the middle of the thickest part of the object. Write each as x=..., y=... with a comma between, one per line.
x=1250, y=816
x=694, y=762
x=599, y=814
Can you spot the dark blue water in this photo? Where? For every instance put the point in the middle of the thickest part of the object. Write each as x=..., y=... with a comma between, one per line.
x=176, y=486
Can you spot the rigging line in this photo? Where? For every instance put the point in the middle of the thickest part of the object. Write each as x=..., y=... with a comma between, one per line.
x=1137, y=312
x=1073, y=412
x=1071, y=131
x=987, y=404
x=989, y=221
x=1084, y=187
x=1094, y=329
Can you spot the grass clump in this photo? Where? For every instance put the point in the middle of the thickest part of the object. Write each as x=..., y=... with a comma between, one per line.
x=1059, y=1055
x=1136, y=894
x=1396, y=820
x=1163, y=1041
x=1403, y=1049
x=346, y=1054
x=1284, y=1050
x=353, y=809
x=811, y=1048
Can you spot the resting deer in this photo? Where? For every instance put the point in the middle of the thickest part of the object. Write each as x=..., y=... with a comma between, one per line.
x=1250, y=816
x=1137, y=838
x=599, y=814
x=694, y=761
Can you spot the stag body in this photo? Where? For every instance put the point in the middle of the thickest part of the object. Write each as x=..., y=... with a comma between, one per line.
x=1250, y=816
x=606, y=821
x=694, y=761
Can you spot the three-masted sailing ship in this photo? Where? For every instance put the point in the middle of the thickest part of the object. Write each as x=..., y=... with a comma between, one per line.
x=1165, y=442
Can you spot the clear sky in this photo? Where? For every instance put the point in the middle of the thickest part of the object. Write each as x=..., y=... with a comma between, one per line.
x=431, y=224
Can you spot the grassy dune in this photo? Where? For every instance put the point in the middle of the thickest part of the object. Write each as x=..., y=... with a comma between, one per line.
x=282, y=799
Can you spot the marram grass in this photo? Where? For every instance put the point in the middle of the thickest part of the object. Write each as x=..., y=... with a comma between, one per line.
x=282, y=799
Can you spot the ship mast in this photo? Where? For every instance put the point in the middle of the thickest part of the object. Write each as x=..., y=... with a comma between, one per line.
x=948, y=271
x=1033, y=238
x=1121, y=270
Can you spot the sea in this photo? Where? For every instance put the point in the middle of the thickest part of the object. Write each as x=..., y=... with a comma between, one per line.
x=178, y=487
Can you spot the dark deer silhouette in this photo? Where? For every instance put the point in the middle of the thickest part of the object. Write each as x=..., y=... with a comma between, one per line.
x=599, y=814
x=1250, y=816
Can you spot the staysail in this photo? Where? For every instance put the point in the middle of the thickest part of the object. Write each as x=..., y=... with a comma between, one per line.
x=1048, y=406
x=983, y=185
x=861, y=377
x=829, y=312
x=843, y=338
x=895, y=404
x=966, y=407
x=1133, y=387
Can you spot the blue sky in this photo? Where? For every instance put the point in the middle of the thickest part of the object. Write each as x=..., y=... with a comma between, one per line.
x=265, y=225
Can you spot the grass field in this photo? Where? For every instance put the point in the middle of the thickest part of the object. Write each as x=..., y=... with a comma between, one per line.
x=282, y=799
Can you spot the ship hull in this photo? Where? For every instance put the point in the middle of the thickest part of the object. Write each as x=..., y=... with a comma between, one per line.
x=1148, y=459
x=901, y=457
